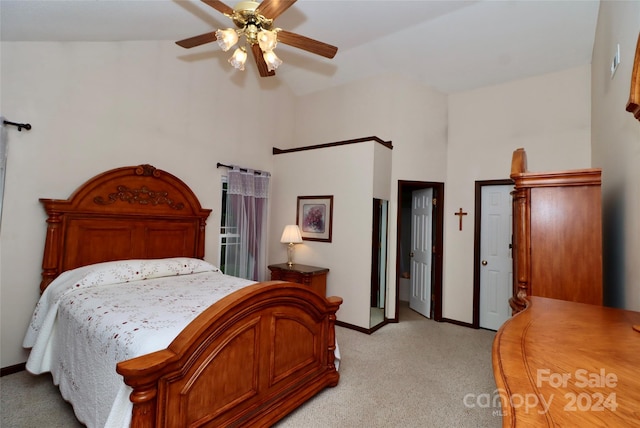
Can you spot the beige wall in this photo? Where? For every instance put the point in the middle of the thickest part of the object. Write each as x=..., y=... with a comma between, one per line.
x=96, y=106
x=409, y=114
x=350, y=173
x=457, y=140
x=548, y=115
x=616, y=149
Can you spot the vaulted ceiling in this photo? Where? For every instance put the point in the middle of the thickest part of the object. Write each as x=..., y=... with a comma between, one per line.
x=449, y=45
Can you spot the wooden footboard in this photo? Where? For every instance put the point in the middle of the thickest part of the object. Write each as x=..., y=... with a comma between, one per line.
x=248, y=360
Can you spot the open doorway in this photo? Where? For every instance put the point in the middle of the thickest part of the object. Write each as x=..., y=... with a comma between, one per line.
x=405, y=230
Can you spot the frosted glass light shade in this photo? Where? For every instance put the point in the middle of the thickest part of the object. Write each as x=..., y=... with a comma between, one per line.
x=227, y=38
x=272, y=60
x=267, y=40
x=239, y=58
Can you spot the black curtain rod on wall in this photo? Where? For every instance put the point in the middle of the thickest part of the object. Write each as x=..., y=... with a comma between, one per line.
x=26, y=126
x=256, y=172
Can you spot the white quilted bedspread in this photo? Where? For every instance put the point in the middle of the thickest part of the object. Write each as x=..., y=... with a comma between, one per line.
x=90, y=318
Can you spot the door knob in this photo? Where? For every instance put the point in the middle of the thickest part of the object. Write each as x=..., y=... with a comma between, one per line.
x=484, y=263
x=411, y=254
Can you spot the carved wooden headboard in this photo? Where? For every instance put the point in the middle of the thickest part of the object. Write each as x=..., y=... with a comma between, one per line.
x=125, y=213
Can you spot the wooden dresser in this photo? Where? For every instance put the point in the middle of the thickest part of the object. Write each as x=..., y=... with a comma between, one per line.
x=567, y=364
x=557, y=234
x=313, y=276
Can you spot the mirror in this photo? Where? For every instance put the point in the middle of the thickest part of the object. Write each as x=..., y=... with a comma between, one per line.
x=378, y=261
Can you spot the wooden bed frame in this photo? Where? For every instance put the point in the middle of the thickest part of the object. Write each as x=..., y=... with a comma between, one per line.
x=248, y=360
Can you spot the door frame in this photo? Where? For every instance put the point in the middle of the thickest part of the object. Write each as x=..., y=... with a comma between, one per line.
x=405, y=186
x=476, y=243
x=376, y=248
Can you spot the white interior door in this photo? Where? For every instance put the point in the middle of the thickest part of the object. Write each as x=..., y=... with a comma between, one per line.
x=496, y=279
x=421, y=250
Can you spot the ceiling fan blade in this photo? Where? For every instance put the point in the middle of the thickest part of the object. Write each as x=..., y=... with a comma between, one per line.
x=192, y=42
x=307, y=44
x=262, y=65
x=219, y=6
x=271, y=9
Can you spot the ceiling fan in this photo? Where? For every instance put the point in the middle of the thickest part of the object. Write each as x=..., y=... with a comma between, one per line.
x=254, y=21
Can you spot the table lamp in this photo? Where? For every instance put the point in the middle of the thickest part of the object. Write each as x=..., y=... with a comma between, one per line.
x=291, y=236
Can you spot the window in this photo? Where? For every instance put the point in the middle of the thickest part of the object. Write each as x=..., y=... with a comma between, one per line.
x=229, y=237
x=243, y=224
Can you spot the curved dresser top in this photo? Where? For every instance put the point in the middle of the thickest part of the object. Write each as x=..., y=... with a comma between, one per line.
x=560, y=363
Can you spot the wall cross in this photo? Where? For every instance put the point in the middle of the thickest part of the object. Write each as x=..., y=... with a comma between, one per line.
x=460, y=213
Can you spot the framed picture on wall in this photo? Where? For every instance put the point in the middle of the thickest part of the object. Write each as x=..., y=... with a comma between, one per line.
x=315, y=217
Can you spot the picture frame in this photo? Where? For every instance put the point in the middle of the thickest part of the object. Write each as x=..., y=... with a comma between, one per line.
x=314, y=217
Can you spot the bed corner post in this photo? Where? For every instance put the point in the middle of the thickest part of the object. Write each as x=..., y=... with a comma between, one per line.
x=200, y=243
x=144, y=407
x=334, y=305
x=144, y=395
x=144, y=374
x=50, y=268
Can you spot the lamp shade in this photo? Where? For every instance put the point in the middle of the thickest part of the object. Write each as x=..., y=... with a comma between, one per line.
x=291, y=234
x=238, y=58
x=272, y=60
x=267, y=40
x=227, y=38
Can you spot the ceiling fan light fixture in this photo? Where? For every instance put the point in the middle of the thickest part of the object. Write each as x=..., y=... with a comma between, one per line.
x=254, y=22
x=227, y=38
x=239, y=58
x=272, y=60
x=267, y=40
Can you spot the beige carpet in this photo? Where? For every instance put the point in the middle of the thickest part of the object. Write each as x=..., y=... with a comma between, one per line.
x=416, y=373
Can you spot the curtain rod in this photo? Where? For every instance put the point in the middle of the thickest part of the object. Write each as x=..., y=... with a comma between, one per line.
x=256, y=172
x=26, y=126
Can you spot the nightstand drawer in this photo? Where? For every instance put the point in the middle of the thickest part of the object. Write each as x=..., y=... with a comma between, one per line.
x=312, y=276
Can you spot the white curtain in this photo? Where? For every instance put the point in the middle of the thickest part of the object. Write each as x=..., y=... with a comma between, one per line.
x=246, y=216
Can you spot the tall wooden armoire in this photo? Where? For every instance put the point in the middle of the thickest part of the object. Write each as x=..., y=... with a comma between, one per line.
x=557, y=234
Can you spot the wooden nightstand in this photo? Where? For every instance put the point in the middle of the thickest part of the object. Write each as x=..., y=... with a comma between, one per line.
x=313, y=276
